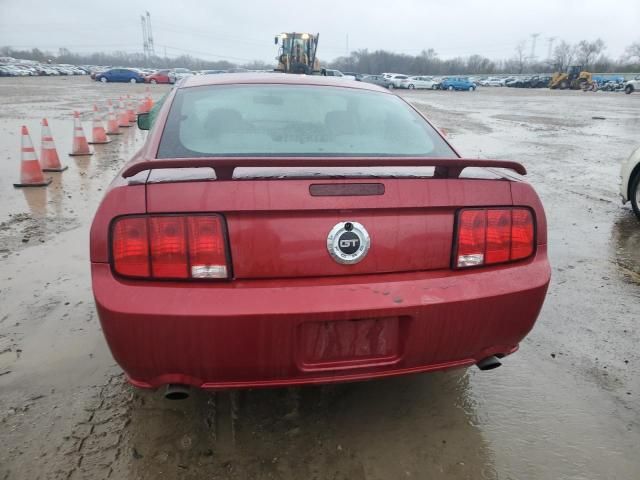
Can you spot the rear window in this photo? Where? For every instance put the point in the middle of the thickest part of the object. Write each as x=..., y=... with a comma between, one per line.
x=294, y=120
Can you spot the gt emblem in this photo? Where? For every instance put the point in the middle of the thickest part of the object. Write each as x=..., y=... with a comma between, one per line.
x=348, y=242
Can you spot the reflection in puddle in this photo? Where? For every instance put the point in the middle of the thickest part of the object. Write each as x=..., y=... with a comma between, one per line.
x=408, y=427
x=36, y=199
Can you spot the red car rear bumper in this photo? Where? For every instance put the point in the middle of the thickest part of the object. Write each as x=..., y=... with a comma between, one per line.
x=303, y=331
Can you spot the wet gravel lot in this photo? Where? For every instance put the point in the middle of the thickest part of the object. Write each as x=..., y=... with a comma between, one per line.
x=567, y=405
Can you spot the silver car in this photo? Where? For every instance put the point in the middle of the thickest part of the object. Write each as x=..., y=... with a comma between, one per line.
x=178, y=74
x=420, y=82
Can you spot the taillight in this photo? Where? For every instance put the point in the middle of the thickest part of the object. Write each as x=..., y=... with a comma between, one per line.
x=170, y=247
x=487, y=236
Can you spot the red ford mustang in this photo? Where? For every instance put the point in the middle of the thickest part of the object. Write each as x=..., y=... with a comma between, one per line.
x=282, y=229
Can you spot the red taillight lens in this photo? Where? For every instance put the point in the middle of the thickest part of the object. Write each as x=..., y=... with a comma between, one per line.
x=131, y=247
x=170, y=247
x=491, y=236
x=522, y=236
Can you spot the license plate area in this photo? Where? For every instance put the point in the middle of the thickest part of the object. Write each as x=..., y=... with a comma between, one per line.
x=345, y=344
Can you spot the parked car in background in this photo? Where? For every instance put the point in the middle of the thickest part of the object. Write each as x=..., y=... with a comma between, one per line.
x=328, y=72
x=457, y=83
x=351, y=75
x=178, y=74
x=257, y=278
x=492, y=82
x=161, y=76
x=632, y=85
x=376, y=80
x=419, y=82
x=120, y=75
x=630, y=181
x=395, y=79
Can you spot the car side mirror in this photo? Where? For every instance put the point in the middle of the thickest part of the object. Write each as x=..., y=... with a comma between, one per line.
x=144, y=122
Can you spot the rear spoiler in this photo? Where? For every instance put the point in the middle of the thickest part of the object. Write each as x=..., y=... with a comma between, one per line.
x=224, y=166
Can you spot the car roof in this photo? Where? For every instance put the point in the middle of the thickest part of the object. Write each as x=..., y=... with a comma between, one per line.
x=274, y=78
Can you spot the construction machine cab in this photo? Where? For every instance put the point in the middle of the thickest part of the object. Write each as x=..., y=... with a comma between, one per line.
x=297, y=53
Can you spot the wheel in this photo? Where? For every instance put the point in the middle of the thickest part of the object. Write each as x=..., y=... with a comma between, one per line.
x=391, y=86
x=153, y=80
x=434, y=87
x=628, y=89
x=634, y=194
x=133, y=80
x=103, y=79
x=472, y=88
x=450, y=88
x=564, y=85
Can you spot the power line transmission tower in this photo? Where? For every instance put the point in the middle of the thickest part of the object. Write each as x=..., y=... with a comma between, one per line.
x=152, y=50
x=534, y=37
x=550, y=40
x=145, y=43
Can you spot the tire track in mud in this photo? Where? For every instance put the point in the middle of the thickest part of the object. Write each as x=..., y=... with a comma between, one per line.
x=95, y=445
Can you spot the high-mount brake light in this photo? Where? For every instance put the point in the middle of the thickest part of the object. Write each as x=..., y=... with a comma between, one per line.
x=488, y=236
x=170, y=247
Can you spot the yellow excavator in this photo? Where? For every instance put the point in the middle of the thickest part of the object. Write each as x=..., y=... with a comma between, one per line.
x=297, y=53
x=575, y=78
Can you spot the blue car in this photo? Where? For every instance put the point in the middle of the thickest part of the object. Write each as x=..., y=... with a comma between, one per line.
x=120, y=75
x=457, y=83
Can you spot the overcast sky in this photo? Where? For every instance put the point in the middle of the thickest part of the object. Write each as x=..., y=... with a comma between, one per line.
x=243, y=30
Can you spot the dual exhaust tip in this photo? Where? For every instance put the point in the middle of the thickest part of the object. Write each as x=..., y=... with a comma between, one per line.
x=489, y=363
x=176, y=391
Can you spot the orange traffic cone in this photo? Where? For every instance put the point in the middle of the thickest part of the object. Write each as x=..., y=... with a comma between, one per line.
x=142, y=106
x=123, y=116
x=149, y=100
x=112, y=121
x=80, y=146
x=48, y=152
x=131, y=110
x=98, y=135
x=30, y=170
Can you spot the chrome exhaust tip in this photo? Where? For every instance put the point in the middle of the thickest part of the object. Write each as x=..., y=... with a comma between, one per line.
x=177, y=392
x=489, y=363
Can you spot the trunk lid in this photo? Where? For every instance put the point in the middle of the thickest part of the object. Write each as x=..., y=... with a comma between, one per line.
x=278, y=228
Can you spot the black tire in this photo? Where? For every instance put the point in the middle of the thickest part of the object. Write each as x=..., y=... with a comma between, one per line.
x=628, y=89
x=300, y=68
x=104, y=79
x=411, y=86
x=634, y=194
x=153, y=81
x=450, y=88
x=564, y=85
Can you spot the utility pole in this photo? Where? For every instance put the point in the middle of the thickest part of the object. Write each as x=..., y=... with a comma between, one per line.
x=534, y=37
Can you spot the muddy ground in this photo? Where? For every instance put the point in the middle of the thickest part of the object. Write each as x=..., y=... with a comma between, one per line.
x=566, y=406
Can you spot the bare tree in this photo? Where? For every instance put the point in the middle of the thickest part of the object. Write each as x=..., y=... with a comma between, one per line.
x=587, y=51
x=633, y=51
x=563, y=56
x=520, y=56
